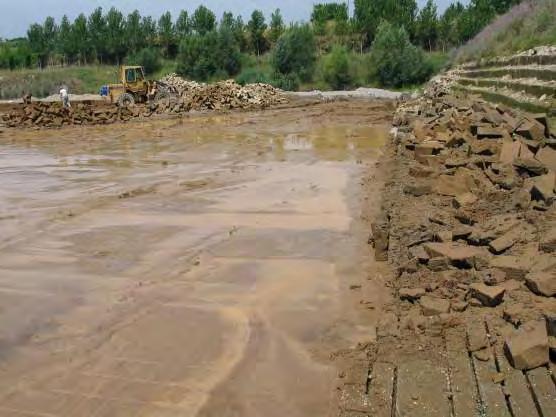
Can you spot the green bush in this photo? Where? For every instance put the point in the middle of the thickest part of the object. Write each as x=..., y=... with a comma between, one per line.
x=288, y=82
x=295, y=53
x=149, y=58
x=336, y=68
x=207, y=56
x=397, y=62
x=254, y=75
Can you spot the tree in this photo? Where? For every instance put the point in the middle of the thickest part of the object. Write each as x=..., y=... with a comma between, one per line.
x=336, y=70
x=213, y=54
x=426, y=30
x=369, y=13
x=81, y=38
x=203, y=20
x=166, y=34
x=367, y=16
x=396, y=60
x=183, y=27
x=228, y=51
x=276, y=25
x=115, y=36
x=148, y=58
x=239, y=34
x=257, y=27
x=65, y=40
x=37, y=42
x=96, y=25
x=296, y=52
x=134, y=38
x=148, y=30
x=325, y=12
x=449, y=26
x=227, y=21
x=50, y=32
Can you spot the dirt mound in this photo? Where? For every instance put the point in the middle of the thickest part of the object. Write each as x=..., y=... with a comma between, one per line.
x=225, y=94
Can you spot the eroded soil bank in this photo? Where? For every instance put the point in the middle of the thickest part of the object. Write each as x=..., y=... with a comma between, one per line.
x=209, y=266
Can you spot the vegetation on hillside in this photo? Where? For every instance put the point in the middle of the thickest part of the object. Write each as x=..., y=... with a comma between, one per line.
x=529, y=24
x=333, y=50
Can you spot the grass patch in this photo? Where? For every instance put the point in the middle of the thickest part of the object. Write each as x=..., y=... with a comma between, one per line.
x=79, y=79
x=42, y=83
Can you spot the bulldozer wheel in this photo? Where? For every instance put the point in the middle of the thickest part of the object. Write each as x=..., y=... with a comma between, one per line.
x=125, y=100
x=162, y=97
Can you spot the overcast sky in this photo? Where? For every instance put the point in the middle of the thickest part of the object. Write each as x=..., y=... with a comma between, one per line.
x=17, y=15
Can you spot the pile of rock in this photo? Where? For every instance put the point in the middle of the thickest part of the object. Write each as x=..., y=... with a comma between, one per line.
x=44, y=114
x=469, y=220
x=183, y=86
x=48, y=114
x=225, y=95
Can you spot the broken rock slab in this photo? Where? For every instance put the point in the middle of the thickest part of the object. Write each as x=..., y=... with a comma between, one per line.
x=542, y=283
x=541, y=187
x=433, y=306
x=530, y=164
x=465, y=200
x=458, y=254
x=548, y=240
x=506, y=241
x=477, y=338
x=531, y=129
x=417, y=190
x=489, y=296
x=411, y=294
x=515, y=267
x=509, y=152
x=547, y=156
x=427, y=149
x=485, y=132
x=527, y=347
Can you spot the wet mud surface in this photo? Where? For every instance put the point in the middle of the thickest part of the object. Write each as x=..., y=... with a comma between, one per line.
x=205, y=266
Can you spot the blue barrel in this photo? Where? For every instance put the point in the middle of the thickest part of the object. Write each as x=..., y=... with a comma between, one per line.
x=104, y=91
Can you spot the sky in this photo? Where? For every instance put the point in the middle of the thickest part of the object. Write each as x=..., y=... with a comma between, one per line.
x=17, y=15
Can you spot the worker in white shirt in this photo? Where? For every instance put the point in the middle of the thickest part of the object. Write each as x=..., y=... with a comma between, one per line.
x=64, y=96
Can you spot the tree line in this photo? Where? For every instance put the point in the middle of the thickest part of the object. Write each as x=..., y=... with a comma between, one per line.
x=204, y=46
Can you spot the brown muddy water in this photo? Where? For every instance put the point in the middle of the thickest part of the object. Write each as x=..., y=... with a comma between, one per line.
x=193, y=267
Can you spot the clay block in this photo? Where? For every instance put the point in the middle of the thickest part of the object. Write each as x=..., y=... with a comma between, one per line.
x=411, y=294
x=527, y=347
x=547, y=156
x=548, y=240
x=488, y=296
x=542, y=283
x=433, y=306
x=489, y=132
x=514, y=266
x=531, y=129
x=541, y=187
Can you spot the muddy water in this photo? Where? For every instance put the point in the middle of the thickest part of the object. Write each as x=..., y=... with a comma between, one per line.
x=183, y=267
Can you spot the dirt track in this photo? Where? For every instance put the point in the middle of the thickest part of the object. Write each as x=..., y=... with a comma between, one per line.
x=209, y=266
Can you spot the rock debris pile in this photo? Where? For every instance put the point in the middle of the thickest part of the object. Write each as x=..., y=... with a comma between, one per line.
x=225, y=95
x=469, y=220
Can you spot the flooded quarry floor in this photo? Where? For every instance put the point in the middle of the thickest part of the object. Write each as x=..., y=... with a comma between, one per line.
x=205, y=266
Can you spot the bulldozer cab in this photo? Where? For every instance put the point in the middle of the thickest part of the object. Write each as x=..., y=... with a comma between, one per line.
x=133, y=79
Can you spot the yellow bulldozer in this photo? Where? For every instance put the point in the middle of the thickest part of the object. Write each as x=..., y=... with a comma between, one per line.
x=135, y=88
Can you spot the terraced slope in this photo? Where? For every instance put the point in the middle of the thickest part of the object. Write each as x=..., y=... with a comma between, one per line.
x=526, y=81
